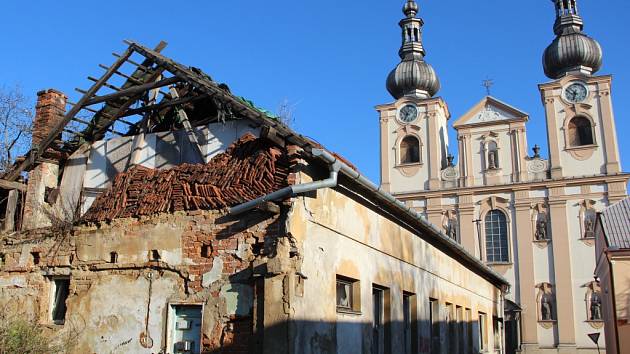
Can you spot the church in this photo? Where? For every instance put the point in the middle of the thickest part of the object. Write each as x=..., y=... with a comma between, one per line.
x=529, y=218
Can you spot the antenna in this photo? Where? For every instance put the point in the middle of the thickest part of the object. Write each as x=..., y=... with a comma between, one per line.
x=487, y=83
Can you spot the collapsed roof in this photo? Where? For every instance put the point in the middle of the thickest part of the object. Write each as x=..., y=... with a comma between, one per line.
x=194, y=99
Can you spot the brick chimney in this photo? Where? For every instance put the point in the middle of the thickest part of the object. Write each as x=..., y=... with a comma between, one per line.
x=43, y=179
x=50, y=109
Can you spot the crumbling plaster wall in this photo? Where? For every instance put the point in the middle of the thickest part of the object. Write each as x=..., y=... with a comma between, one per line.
x=336, y=235
x=108, y=307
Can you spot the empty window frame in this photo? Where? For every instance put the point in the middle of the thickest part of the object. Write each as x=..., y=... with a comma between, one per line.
x=434, y=325
x=380, y=321
x=409, y=150
x=451, y=328
x=496, y=237
x=483, y=336
x=496, y=331
x=410, y=323
x=470, y=346
x=348, y=294
x=460, y=331
x=60, y=289
x=580, y=132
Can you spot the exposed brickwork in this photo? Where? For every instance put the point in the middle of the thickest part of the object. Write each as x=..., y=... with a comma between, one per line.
x=50, y=109
x=250, y=168
x=239, y=243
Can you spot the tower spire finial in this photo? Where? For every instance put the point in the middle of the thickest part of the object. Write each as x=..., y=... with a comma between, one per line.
x=413, y=76
x=410, y=9
x=572, y=51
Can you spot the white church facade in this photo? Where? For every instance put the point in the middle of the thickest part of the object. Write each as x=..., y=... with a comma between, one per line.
x=529, y=218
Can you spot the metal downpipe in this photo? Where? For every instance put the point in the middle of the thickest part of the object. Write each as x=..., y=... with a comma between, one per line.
x=291, y=191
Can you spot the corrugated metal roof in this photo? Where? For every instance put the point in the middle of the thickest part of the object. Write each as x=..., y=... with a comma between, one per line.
x=616, y=224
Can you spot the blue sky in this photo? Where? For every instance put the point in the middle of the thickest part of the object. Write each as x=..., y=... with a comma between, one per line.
x=329, y=58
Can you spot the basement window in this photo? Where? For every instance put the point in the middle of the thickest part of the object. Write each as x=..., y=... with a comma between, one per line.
x=348, y=295
x=36, y=258
x=113, y=257
x=60, y=290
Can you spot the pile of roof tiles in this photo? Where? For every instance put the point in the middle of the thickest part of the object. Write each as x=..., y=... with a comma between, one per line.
x=250, y=168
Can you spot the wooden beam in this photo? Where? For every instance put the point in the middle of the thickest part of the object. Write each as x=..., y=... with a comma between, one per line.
x=4, y=184
x=192, y=136
x=9, y=214
x=133, y=90
x=54, y=132
x=105, y=84
x=166, y=104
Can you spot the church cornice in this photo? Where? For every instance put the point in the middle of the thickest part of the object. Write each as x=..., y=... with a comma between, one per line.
x=560, y=83
x=518, y=186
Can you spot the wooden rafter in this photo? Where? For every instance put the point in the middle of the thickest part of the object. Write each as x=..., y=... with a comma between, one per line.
x=58, y=128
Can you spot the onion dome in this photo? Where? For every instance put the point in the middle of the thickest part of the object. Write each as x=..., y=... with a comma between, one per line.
x=572, y=51
x=413, y=76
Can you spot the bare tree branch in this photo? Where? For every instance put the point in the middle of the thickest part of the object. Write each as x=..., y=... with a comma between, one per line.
x=16, y=118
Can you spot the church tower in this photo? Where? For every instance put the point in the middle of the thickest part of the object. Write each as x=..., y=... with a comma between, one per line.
x=580, y=121
x=414, y=140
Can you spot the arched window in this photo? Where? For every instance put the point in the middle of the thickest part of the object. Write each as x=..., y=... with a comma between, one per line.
x=496, y=237
x=580, y=132
x=409, y=150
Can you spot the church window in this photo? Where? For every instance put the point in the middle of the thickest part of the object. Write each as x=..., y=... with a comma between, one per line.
x=580, y=132
x=496, y=237
x=410, y=150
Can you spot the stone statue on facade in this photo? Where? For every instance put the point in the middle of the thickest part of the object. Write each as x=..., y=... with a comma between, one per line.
x=589, y=227
x=492, y=160
x=451, y=230
x=596, y=307
x=541, y=229
x=545, y=308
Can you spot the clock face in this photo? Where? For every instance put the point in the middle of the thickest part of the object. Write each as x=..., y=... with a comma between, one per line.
x=408, y=113
x=576, y=92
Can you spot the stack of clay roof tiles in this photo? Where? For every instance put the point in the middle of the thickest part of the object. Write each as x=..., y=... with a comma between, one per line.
x=250, y=168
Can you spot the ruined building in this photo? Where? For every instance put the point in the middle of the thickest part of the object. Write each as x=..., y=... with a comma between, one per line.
x=164, y=214
x=529, y=218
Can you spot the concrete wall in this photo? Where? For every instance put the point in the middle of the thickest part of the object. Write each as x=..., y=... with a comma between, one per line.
x=344, y=238
x=123, y=306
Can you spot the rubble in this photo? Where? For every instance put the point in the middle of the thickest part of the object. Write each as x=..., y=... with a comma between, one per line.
x=250, y=168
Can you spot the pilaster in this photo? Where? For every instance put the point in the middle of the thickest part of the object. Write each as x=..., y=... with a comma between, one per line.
x=562, y=267
x=608, y=128
x=434, y=147
x=468, y=231
x=552, y=133
x=385, y=163
x=526, y=273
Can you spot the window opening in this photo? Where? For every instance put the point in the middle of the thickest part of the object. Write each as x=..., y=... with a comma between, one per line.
x=410, y=150
x=113, y=257
x=348, y=295
x=496, y=237
x=496, y=328
x=434, y=319
x=206, y=251
x=482, y=331
x=36, y=258
x=155, y=255
x=378, y=335
x=580, y=132
x=409, y=320
x=61, y=289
